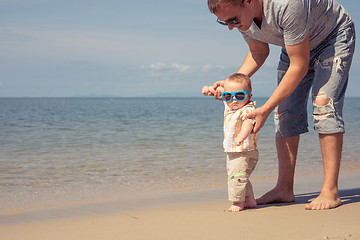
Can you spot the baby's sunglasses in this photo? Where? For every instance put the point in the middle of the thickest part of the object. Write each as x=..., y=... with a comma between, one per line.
x=239, y=96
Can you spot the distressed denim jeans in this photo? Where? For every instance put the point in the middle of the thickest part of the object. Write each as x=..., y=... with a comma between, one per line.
x=327, y=75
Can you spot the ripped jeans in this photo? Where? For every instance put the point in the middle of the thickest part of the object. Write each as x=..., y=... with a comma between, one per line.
x=328, y=76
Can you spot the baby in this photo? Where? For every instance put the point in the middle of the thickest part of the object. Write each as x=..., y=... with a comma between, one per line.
x=239, y=141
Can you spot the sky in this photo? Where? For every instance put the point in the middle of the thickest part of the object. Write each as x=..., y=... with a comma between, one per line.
x=160, y=48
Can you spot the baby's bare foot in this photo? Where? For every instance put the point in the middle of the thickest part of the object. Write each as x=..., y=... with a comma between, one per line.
x=324, y=201
x=236, y=207
x=276, y=196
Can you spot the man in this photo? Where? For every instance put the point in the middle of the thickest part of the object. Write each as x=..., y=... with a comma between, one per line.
x=318, y=40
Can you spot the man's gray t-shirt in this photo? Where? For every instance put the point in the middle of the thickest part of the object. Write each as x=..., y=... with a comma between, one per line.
x=288, y=22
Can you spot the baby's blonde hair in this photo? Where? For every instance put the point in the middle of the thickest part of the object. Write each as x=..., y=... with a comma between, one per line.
x=240, y=78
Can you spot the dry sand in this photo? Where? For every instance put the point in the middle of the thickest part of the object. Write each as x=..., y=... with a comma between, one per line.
x=204, y=220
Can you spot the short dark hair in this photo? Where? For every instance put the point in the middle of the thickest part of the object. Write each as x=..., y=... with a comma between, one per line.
x=214, y=4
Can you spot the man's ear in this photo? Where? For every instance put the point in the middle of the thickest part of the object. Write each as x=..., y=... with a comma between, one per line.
x=249, y=2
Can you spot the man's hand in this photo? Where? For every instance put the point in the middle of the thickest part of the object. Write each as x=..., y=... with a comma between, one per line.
x=260, y=116
x=219, y=88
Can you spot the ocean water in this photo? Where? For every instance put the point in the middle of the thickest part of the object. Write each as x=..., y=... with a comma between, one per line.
x=65, y=151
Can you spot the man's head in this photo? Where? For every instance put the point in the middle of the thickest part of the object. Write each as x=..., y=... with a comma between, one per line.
x=239, y=14
x=214, y=4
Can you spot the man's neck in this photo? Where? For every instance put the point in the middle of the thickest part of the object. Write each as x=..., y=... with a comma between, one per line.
x=259, y=6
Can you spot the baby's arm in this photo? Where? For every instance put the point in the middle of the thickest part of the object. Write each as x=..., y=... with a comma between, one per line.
x=246, y=128
x=211, y=91
x=207, y=90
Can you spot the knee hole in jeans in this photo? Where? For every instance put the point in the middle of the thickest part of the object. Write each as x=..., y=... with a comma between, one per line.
x=323, y=106
x=321, y=99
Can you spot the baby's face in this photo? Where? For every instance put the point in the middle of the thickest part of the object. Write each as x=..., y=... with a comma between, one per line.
x=231, y=86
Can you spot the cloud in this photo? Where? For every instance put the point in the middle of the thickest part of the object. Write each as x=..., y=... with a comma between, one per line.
x=163, y=67
x=180, y=68
x=206, y=68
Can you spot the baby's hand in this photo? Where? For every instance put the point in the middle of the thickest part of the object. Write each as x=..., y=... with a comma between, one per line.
x=205, y=90
x=208, y=91
x=213, y=91
x=238, y=141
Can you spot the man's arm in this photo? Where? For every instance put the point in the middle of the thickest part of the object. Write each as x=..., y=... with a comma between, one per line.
x=299, y=55
x=258, y=52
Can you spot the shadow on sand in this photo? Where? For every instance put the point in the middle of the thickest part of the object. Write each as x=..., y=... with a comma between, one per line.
x=347, y=196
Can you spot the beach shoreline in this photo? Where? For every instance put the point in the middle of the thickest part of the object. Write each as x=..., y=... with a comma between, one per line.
x=73, y=206
x=200, y=214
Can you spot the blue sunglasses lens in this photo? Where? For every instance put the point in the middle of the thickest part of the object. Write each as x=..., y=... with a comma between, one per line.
x=227, y=96
x=240, y=96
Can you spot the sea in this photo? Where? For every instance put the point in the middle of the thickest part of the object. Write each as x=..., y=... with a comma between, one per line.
x=58, y=152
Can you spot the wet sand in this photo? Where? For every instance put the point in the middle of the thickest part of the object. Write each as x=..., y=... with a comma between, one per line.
x=200, y=215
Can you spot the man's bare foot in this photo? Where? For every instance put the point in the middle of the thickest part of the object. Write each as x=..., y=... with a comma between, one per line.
x=324, y=201
x=250, y=202
x=236, y=207
x=276, y=196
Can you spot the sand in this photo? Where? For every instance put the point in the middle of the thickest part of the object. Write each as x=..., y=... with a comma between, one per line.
x=203, y=220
